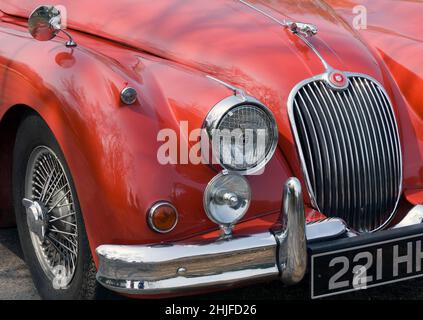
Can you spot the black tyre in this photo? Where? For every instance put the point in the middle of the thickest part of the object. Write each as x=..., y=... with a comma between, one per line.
x=50, y=223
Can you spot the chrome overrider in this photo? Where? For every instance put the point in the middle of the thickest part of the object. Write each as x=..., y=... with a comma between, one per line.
x=172, y=268
x=292, y=238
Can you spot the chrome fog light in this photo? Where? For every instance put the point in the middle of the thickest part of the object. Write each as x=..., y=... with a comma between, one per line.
x=227, y=199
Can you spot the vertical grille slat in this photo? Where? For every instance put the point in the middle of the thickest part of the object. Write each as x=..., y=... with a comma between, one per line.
x=377, y=155
x=322, y=116
x=394, y=131
x=340, y=149
x=308, y=146
x=364, y=174
x=386, y=141
x=350, y=150
x=317, y=156
x=324, y=145
x=390, y=188
x=356, y=187
x=370, y=140
x=339, y=142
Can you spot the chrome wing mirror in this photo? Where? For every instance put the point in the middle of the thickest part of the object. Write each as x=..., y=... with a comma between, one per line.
x=45, y=22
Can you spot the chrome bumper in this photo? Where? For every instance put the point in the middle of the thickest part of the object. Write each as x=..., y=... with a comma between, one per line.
x=173, y=268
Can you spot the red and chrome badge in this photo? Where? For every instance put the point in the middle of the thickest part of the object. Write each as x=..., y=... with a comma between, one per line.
x=338, y=80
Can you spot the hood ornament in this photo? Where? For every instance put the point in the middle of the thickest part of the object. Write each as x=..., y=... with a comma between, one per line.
x=300, y=29
x=335, y=79
x=306, y=29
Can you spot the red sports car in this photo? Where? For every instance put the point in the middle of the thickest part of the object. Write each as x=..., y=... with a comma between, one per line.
x=170, y=147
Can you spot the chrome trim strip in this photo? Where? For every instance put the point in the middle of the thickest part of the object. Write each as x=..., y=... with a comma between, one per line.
x=237, y=91
x=283, y=23
x=326, y=65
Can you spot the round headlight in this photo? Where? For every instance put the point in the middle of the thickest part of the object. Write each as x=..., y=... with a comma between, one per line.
x=227, y=199
x=244, y=134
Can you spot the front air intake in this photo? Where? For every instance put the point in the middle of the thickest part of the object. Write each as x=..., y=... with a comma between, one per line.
x=349, y=148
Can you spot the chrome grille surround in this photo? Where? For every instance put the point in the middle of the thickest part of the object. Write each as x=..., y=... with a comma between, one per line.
x=350, y=155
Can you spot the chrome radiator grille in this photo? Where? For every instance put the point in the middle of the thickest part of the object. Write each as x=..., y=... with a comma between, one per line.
x=350, y=150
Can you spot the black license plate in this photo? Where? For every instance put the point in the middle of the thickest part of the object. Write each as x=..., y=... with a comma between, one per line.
x=367, y=265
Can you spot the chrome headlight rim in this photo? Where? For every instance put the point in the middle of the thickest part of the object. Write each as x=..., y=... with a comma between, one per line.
x=217, y=114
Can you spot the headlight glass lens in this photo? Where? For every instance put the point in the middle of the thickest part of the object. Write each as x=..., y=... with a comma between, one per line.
x=227, y=198
x=245, y=137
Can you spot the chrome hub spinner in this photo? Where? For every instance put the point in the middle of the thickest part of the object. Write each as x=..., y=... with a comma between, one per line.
x=36, y=218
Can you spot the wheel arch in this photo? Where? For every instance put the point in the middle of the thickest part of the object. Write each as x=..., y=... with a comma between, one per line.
x=9, y=125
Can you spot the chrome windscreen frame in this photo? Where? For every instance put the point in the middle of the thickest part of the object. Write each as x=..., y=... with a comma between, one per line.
x=294, y=131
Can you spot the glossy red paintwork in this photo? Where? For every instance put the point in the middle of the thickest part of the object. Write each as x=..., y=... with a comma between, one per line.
x=164, y=49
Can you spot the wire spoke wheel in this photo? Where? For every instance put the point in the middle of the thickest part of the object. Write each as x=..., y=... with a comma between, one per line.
x=54, y=227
